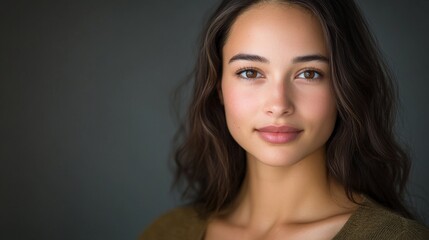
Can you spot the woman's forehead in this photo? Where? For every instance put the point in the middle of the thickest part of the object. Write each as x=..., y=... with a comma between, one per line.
x=276, y=30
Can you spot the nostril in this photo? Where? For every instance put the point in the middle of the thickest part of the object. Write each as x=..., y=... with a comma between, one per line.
x=280, y=110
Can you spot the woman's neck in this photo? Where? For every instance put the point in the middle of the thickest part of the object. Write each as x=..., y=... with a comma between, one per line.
x=299, y=193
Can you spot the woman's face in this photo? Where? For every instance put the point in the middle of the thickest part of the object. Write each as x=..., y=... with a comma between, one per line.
x=276, y=84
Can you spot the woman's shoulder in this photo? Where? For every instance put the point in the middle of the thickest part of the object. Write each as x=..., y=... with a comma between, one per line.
x=372, y=221
x=179, y=223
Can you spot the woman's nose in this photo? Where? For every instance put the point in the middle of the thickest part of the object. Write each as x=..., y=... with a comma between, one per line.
x=279, y=99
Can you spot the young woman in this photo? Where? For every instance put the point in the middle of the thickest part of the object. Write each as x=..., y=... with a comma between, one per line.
x=289, y=134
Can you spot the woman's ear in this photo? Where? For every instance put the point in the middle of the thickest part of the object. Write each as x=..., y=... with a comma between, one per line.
x=219, y=92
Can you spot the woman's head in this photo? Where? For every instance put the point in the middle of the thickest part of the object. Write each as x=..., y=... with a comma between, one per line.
x=360, y=143
x=276, y=86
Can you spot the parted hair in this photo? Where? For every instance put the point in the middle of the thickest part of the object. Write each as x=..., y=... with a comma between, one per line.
x=362, y=152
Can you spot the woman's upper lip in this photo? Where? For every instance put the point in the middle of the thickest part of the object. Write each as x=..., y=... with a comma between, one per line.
x=279, y=129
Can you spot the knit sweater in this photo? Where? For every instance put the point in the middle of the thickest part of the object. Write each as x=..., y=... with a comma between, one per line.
x=369, y=221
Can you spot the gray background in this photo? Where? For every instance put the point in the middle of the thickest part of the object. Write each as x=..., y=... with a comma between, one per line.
x=85, y=124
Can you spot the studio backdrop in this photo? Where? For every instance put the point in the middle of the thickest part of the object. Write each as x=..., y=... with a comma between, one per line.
x=85, y=117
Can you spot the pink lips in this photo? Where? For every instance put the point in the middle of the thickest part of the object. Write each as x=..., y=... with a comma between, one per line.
x=280, y=134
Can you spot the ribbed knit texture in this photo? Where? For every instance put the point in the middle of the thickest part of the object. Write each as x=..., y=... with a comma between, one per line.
x=369, y=221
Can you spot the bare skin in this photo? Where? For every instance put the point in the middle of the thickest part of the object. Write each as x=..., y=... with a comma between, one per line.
x=287, y=193
x=272, y=206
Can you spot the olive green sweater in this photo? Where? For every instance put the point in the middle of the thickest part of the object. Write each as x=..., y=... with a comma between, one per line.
x=369, y=221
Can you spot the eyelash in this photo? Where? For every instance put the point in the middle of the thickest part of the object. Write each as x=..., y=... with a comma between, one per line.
x=245, y=69
x=313, y=70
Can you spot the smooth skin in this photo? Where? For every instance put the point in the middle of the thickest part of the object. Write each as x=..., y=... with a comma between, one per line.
x=276, y=72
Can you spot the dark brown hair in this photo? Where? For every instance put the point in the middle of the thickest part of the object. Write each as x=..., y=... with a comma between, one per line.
x=362, y=153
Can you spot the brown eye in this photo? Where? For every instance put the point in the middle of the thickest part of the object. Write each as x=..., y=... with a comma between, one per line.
x=249, y=74
x=309, y=75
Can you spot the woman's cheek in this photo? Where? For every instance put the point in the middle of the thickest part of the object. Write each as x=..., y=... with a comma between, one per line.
x=238, y=102
x=319, y=103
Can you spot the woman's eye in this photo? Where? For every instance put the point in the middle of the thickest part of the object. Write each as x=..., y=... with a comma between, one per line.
x=249, y=74
x=309, y=75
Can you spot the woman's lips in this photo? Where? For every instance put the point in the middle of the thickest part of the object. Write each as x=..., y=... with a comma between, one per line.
x=278, y=135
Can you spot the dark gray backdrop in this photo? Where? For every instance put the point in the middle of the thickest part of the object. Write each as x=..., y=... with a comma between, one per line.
x=85, y=126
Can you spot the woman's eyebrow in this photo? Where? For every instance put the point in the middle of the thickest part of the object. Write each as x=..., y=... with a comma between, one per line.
x=308, y=58
x=257, y=58
x=248, y=57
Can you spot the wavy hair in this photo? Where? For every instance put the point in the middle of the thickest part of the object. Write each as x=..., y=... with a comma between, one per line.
x=362, y=152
